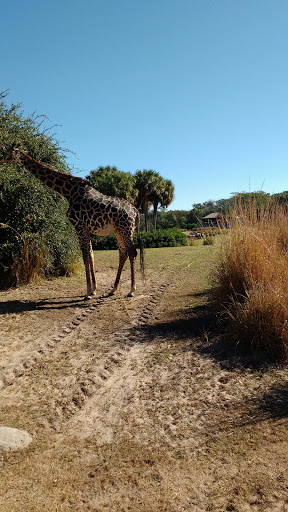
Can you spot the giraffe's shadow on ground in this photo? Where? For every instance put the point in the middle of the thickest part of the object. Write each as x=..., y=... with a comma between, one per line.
x=57, y=303
x=20, y=306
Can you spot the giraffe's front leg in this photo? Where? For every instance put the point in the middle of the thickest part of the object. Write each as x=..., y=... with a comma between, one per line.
x=88, y=259
x=92, y=271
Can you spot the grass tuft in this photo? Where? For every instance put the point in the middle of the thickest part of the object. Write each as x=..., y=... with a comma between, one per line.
x=252, y=277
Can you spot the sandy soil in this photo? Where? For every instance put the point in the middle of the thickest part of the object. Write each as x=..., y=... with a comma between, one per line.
x=136, y=403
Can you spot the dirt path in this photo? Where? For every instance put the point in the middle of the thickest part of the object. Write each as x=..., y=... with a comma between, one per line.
x=137, y=404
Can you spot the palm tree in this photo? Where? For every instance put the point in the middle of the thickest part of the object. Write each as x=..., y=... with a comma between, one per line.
x=146, y=184
x=156, y=197
x=168, y=194
x=163, y=195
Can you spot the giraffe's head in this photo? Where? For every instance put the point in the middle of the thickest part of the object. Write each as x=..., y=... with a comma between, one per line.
x=11, y=155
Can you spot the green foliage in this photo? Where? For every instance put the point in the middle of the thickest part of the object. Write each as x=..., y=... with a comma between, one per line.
x=148, y=183
x=34, y=215
x=103, y=243
x=112, y=182
x=191, y=219
x=172, y=219
x=200, y=210
x=281, y=198
x=160, y=238
x=164, y=238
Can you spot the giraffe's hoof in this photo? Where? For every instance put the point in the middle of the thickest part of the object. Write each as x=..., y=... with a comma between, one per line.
x=90, y=295
x=112, y=293
x=130, y=294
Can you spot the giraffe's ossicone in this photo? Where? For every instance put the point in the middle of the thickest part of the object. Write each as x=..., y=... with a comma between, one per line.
x=89, y=212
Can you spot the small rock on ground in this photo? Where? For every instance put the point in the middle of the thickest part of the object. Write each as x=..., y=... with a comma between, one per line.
x=13, y=438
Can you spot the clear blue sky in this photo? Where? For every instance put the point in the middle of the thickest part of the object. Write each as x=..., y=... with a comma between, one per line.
x=194, y=89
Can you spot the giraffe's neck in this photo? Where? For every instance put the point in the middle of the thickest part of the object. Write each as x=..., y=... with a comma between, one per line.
x=60, y=182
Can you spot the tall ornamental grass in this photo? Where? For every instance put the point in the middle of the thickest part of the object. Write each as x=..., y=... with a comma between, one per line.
x=252, y=277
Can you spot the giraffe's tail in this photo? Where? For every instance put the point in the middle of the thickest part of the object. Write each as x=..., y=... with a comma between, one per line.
x=141, y=248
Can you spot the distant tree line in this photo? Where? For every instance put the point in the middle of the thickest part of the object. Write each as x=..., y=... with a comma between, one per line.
x=173, y=237
x=192, y=219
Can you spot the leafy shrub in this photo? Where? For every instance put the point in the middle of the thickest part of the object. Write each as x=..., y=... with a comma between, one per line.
x=38, y=237
x=104, y=243
x=159, y=238
x=37, y=226
x=164, y=238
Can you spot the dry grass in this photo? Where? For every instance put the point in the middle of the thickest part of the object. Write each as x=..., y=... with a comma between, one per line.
x=29, y=264
x=252, y=277
x=30, y=261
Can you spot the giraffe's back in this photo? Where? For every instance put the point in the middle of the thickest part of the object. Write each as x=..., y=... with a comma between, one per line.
x=105, y=214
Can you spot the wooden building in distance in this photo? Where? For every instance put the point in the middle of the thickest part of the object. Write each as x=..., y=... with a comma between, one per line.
x=213, y=220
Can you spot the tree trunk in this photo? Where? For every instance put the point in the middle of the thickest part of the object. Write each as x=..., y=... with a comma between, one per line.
x=155, y=205
x=146, y=216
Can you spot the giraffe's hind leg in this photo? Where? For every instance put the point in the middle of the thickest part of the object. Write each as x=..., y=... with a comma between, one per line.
x=132, y=257
x=126, y=249
x=122, y=258
x=123, y=255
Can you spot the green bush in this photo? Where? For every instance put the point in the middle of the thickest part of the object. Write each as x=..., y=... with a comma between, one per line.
x=34, y=217
x=159, y=238
x=35, y=235
x=164, y=238
x=103, y=243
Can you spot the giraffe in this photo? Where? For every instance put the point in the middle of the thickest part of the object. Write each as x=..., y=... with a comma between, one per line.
x=89, y=212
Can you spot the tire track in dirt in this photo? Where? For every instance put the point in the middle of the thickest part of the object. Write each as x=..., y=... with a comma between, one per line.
x=104, y=410
x=90, y=373
x=22, y=360
x=17, y=362
x=94, y=378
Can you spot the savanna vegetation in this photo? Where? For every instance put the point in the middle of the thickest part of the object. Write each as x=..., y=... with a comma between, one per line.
x=141, y=404
x=192, y=219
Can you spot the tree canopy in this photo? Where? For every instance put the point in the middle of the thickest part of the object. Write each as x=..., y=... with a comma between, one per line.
x=112, y=182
